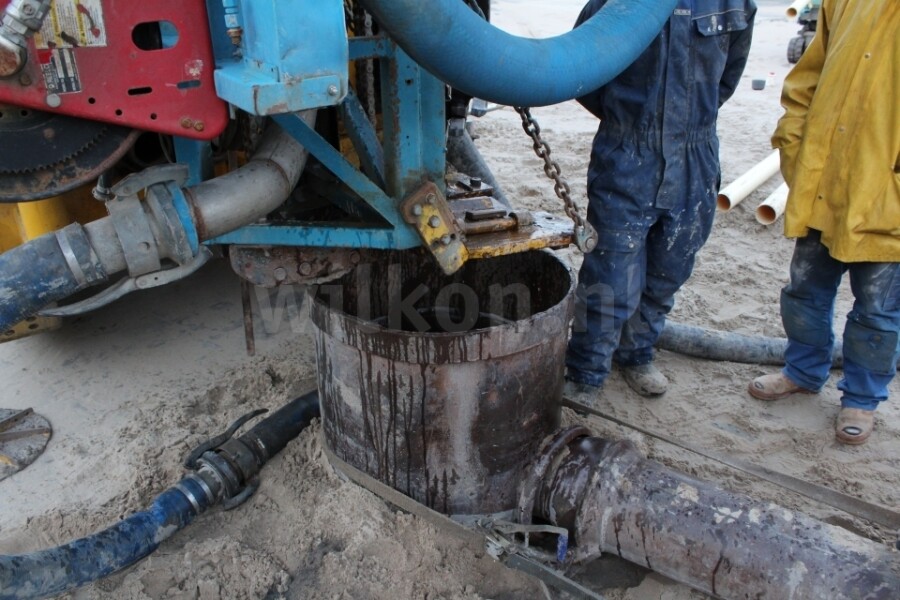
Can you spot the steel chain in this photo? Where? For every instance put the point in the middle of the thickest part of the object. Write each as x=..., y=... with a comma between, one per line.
x=585, y=234
x=371, y=108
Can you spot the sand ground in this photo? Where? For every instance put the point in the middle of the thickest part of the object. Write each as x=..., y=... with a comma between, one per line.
x=131, y=388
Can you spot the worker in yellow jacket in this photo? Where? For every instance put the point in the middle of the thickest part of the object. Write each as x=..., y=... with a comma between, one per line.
x=840, y=154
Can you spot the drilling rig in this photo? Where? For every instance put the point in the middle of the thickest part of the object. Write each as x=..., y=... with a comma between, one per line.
x=324, y=143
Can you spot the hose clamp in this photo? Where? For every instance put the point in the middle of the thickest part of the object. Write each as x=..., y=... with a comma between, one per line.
x=189, y=495
x=71, y=259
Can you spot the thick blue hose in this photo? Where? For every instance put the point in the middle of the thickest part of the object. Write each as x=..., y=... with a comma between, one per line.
x=40, y=272
x=457, y=46
x=50, y=572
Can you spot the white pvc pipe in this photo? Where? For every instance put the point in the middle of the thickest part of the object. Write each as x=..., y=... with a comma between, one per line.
x=771, y=209
x=795, y=8
x=735, y=193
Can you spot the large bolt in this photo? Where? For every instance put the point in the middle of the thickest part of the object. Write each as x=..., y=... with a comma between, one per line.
x=12, y=59
x=280, y=274
x=417, y=210
x=434, y=222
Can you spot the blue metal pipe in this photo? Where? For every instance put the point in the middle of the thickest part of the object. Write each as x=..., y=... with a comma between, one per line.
x=44, y=270
x=449, y=39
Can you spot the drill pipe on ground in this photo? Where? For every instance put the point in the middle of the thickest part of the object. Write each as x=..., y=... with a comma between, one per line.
x=614, y=500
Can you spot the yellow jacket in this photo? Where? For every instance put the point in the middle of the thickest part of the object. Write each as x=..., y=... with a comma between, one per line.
x=840, y=134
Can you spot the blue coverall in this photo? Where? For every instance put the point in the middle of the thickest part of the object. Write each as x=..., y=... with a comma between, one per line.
x=653, y=180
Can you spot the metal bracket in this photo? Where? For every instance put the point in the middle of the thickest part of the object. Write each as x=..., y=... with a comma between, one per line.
x=131, y=284
x=428, y=212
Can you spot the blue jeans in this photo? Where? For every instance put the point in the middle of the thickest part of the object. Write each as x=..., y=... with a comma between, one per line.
x=872, y=333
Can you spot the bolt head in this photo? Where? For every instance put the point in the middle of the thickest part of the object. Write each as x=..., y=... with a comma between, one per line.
x=434, y=222
x=280, y=274
x=430, y=199
x=187, y=122
x=333, y=90
x=445, y=240
x=53, y=101
x=305, y=268
x=199, y=126
x=417, y=210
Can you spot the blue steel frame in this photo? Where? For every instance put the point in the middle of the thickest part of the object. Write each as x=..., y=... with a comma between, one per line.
x=411, y=153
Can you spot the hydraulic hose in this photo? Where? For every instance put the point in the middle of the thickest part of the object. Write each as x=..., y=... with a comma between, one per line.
x=459, y=47
x=233, y=463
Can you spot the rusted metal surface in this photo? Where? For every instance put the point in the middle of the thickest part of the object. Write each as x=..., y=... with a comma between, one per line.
x=270, y=267
x=728, y=545
x=547, y=231
x=56, y=167
x=23, y=437
x=443, y=387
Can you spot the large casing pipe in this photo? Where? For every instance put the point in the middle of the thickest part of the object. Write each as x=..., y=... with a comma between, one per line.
x=460, y=48
x=724, y=544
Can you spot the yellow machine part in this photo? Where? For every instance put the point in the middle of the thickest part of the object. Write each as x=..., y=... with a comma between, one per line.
x=28, y=220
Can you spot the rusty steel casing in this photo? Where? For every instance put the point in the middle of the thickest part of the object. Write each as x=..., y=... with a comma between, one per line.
x=443, y=387
x=725, y=544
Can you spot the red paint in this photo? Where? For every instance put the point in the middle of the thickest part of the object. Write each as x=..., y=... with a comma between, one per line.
x=108, y=73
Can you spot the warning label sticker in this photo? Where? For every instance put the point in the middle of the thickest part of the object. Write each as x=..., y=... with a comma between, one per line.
x=73, y=24
x=60, y=71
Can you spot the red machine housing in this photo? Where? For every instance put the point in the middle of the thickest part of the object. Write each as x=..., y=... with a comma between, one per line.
x=87, y=62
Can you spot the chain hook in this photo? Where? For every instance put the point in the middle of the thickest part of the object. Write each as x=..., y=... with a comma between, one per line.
x=585, y=234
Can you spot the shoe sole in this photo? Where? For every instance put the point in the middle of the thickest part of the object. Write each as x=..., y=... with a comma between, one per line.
x=856, y=440
x=770, y=397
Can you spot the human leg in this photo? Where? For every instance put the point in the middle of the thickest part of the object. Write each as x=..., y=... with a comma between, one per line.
x=807, y=312
x=621, y=188
x=608, y=292
x=871, y=335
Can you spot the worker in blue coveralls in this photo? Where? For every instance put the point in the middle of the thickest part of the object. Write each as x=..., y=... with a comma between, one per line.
x=652, y=185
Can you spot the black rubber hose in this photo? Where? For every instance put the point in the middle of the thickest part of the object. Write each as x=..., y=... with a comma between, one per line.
x=731, y=347
x=53, y=571
x=272, y=434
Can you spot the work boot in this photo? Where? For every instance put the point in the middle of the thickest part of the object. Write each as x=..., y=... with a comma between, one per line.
x=775, y=387
x=646, y=380
x=581, y=393
x=854, y=425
